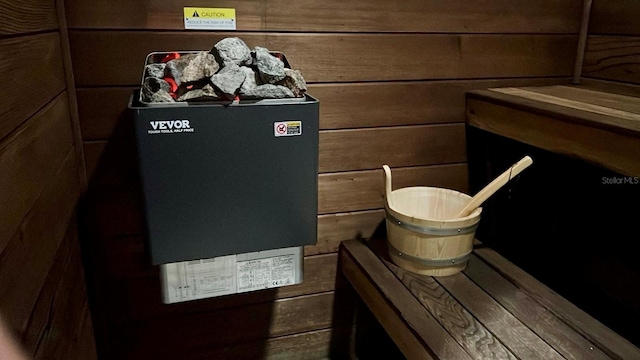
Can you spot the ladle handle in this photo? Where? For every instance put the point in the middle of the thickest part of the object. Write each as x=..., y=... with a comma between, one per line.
x=387, y=184
x=494, y=186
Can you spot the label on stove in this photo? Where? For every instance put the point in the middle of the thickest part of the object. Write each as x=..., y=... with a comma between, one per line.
x=287, y=128
x=266, y=273
x=169, y=127
x=209, y=18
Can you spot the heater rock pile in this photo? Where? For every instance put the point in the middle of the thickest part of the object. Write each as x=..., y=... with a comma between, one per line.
x=229, y=71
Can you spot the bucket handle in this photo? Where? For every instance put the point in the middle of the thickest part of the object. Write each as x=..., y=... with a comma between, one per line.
x=387, y=184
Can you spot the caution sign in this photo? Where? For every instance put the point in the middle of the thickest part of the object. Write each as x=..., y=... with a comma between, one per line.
x=287, y=128
x=209, y=18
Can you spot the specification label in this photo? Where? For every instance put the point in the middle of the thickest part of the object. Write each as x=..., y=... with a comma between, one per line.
x=265, y=273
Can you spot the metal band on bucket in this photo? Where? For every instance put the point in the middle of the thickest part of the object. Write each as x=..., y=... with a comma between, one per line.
x=429, y=262
x=432, y=231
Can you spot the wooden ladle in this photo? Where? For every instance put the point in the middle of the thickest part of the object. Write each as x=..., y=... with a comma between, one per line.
x=494, y=186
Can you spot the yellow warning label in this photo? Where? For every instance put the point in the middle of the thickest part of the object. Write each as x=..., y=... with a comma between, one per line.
x=209, y=18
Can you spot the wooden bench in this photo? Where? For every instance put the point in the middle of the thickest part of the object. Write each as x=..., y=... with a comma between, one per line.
x=492, y=310
x=584, y=122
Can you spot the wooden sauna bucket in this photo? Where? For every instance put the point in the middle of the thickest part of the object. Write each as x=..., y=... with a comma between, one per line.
x=421, y=235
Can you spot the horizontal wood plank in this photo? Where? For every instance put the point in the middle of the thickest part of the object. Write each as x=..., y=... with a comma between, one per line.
x=157, y=337
x=335, y=228
x=613, y=58
x=500, y=16
x=603, y=147
x=613, y=87
x=622, y=106
x=359, y=57
x=318, y=344
x=29, y=158
x=402, y=103
x=347, y=150
x=551, y=329
x=17, y=17
x=28, y=257
x=103, y=110
x=364, y=190
x=619, y=17
x=37, y=76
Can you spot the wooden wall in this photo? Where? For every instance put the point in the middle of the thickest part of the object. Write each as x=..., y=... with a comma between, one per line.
x=390, y=78
x=43, y=298
x=613, y=47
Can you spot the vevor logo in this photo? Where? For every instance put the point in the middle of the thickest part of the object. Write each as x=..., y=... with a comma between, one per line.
x=169, y=127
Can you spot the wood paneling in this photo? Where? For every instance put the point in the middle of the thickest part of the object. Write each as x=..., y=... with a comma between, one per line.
x=103, y=110
x=615, y=17
x=614, y=58
x=319, y=344
x=28, y=257
x=27, y=16
x=29, y=158
x=36, y=76
x=357, y=57
x=335, y=228
x=400, y=103
x=391, y=80
x=43, y=293
x=345, y=150
x=503, y=16
x=282, y=317
x=61, y=309
x=364, y=190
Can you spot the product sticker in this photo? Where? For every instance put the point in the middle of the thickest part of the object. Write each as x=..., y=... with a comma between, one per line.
x=265, y=273
x=287, y=128
x=198, y=279
x=209, y=18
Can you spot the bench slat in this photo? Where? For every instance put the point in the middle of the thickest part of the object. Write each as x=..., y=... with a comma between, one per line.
x=556, y=333
x=606, y=339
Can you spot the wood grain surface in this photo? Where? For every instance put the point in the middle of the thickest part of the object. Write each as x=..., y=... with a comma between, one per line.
x=37, y=76
x=613, y=58
x=493, y=309
x=343, y=106
x=582, y=323
x=243, y=324
x=364, y=190
x=27, y=16
x=28, y=257
x=471, y=334
x=603, y=147
x=29, y=158
x=615, y=17
x=502, y=16
x=405, y=56
x=535, y=316
x=363, y=149
x=416, y=332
